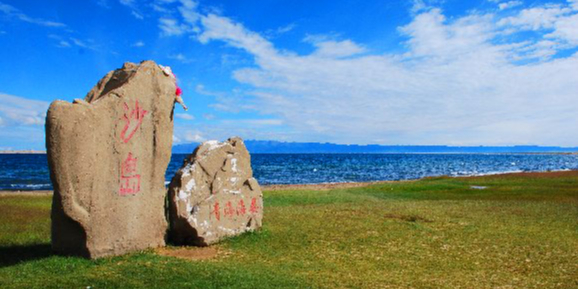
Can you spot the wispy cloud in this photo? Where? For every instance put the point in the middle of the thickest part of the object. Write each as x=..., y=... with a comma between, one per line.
x=16, y=110
x=138, y=44
x=15, y=13
x=137, y=15
x=83, y=44
x=273, y=33
x=171, y=27
x=334, y=49
x=22, y=122
x=232, y=101
x=556, y=25
x=193, y=136
x=209, y=116
x=63, y=43
x=286, y=28
x=461, y=81
x=254, y=122
x=180, y=57
x=67, y=42
x=135, y=10
x=103, y=3
x=509, y=4
x=184, y=116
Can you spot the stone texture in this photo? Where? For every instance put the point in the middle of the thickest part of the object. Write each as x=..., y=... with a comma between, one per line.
x=107, y=156
x=214, y=195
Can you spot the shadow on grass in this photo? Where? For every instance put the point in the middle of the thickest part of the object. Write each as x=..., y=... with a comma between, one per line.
x=12, y=255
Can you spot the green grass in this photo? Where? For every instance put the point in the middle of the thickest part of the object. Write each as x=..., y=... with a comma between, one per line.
x=520, y=232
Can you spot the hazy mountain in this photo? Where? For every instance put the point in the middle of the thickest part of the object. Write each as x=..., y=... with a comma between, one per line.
x=259, y=146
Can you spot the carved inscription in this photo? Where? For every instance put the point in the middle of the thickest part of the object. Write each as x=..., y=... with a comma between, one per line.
x=229, y=211
x=130, y=179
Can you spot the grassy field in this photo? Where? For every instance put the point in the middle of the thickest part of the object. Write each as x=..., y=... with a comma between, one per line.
x=521, y=231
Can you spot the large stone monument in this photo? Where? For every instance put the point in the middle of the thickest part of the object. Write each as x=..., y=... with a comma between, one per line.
x=214, y=195
x=107, y=155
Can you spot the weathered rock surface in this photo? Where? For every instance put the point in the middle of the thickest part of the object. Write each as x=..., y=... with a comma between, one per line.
x=107, y=155
x=214, y=195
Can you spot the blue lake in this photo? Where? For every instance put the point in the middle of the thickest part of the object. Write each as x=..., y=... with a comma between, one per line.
x=30, y=172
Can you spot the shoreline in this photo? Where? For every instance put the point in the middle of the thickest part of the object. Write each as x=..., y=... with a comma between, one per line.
x=38, y=152
x=345, y=185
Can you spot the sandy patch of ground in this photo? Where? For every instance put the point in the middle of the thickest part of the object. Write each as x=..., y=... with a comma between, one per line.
x=25, y=193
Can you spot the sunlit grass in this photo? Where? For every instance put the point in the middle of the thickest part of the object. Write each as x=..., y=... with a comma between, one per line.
x=519, y=232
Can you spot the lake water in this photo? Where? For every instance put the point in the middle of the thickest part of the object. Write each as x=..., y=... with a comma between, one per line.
x=30, y=172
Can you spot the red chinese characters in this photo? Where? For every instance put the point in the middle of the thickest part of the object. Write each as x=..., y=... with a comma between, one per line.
x=254, y=206
x=241, y=211
x=133, y=120
x=129, y=179
x=216, y=211
x=230, y=210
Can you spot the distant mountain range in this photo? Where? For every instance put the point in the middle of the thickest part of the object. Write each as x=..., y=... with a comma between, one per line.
x=276, y=147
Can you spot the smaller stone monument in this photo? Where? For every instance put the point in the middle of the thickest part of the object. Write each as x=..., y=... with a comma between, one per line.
x=107, y=155
x=214, y=195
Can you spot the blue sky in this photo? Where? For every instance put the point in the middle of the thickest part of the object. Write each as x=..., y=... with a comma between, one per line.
x=453, y=72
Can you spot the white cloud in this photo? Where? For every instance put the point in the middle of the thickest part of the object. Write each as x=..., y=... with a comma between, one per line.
x=171, y=27
x=555, y=23
x=418, y=6
x=536, y=18
x=84, y=44
x=181, y=58
x=66, y=42
x=273, y=33
x=286, y=28
x=566, y=29
x=188, y=11
x=458, y=83
x=233, y=101
x=63, y=43
x=509, y=4
x=573, y=4
x=17, y=110
x=103, y=3
x=184, y=116
x=159, y=8
x=335, y=49
x=221, y=28
x=14, y=12
x=135, y=11
x=137, y=15
x=193, y=136
x=138, y=44
x=209, y=116
x=244, y=128
x=254, y=122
